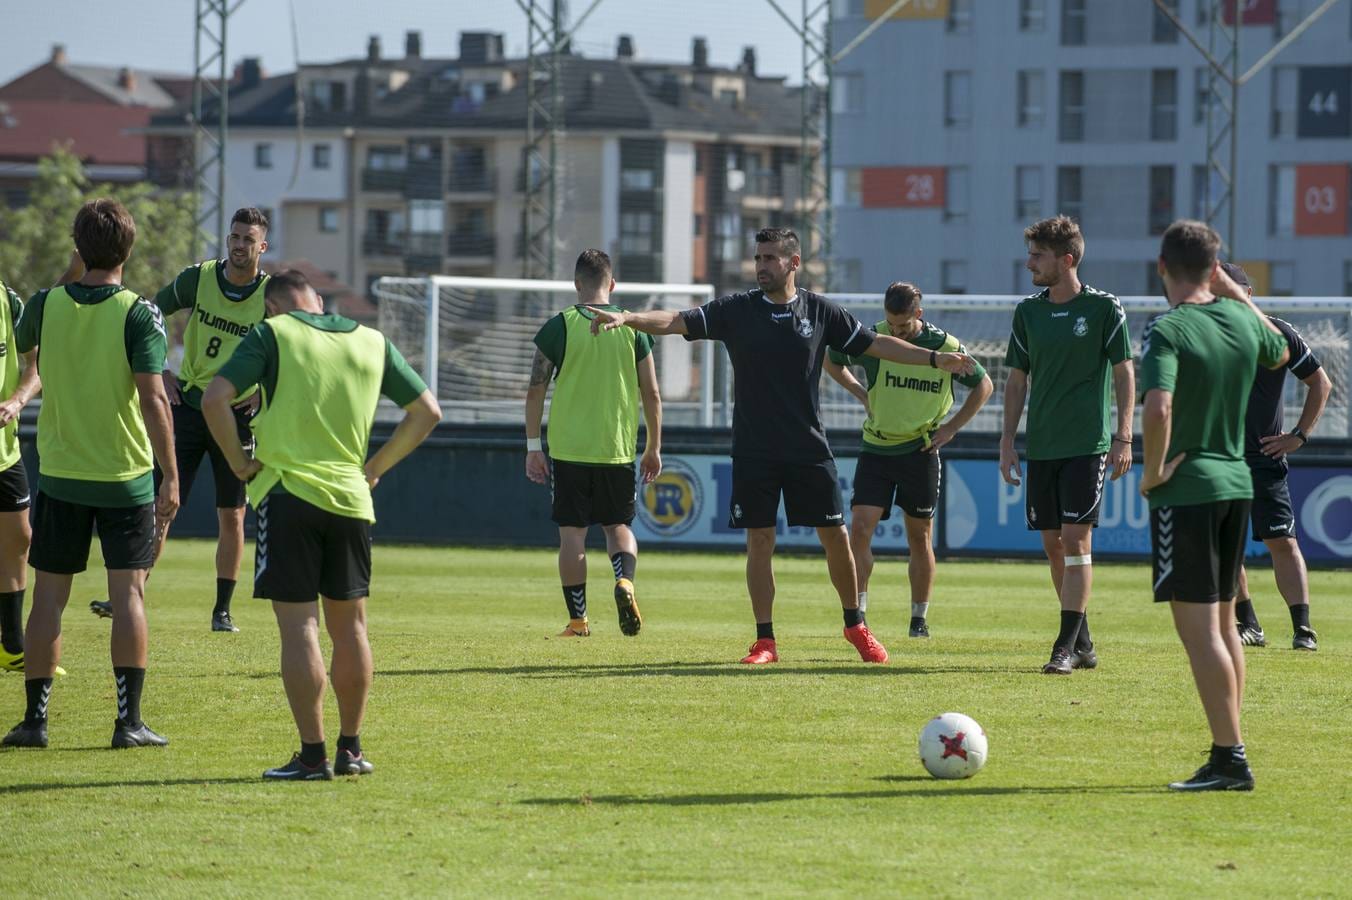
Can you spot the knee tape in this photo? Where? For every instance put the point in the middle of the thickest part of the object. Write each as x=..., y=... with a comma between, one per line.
x=1080, y=560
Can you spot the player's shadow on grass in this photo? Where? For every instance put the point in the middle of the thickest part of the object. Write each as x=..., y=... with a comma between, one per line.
x=86, y=785
x=704, y=669
x=936, y=789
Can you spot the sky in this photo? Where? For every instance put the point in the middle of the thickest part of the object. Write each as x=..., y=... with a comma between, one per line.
x=158, y=34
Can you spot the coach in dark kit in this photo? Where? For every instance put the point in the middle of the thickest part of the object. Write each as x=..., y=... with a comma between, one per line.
x=776, y=337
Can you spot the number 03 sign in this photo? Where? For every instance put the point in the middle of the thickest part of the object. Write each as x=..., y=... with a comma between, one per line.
x=1321, y=199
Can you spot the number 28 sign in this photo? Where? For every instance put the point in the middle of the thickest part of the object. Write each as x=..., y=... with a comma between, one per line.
x=1321, y=199
x=901, y=186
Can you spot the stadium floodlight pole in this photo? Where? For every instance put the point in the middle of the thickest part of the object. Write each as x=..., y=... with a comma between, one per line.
x=212, y=19
x=1222, y=119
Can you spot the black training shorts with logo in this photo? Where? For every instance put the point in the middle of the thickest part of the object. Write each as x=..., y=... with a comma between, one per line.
x=589, y=494
x=1064, y=491
x=192, y=441
x=1272, y=515
x=811, y=493
x=304, y=552
x=14, y=495
x=911, y=480
x=63, y=531
x=1196, y=551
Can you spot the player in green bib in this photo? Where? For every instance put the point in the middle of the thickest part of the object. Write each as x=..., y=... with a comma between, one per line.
x=224, y=301
x=599, y=384
x=899, y=460
x=1069, y=343
x=104, y=418
x=17, y=387
x=1196, y=374
x=320, y=378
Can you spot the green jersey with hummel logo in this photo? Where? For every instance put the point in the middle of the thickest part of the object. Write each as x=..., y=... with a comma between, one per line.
x=221, y=314
x=1068, y=350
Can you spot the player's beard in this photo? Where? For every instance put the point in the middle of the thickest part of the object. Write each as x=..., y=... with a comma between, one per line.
x=1046, y=280
x=241, y=263
x=770, y=285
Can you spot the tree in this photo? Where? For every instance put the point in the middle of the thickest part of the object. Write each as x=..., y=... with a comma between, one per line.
x=35, y=243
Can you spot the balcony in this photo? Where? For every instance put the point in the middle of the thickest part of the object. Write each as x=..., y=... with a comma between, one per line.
x=471, y=243
x=383, y=179
x=382, y=243
x=471, y=180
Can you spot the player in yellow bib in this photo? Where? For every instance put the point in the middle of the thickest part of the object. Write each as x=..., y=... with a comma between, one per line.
x=17, y=387
x=320, y=377
x=224, y=301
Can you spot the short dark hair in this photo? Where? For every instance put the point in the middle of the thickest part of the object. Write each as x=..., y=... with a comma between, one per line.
x=1189, y=249
x=1237, y=273
x=250, y=215
x=285, y=281
x=593, y=269
x=901, y=297
x=1059, y=234
x=104, y=232
x=784, y=237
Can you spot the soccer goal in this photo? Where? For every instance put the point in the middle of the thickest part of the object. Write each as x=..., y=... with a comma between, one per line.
x=982, y=323
x=472, y=341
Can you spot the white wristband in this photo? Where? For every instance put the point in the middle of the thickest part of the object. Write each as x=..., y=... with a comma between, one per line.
x=533, y=444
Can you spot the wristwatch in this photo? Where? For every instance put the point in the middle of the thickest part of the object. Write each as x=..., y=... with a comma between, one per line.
x=1300, y=434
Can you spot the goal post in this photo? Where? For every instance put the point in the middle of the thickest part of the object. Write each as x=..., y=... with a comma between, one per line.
x=472, y=340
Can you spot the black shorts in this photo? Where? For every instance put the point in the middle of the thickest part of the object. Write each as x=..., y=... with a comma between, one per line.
x=1064, y=491
x=811, y=493
x=62, y=532
x=192, y=441
x=14, y=496
x=911, y=480
x=586, y=494
x=1272, y=515
x=304, y=552
x=1196, y=551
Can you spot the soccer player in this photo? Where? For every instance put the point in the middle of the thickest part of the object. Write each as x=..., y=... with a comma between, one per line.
x=310, y=482
x=593, y=435
x=224, y=298
x=1266, y=447
x=104, y=412
x=1065, y=340
x=1196, y=374
x=17, y=387
x=899, y=460
x=776, y=337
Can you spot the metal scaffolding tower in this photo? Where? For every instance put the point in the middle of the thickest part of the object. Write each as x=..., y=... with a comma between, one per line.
x=208, y=53
x=545, y=44
x=1221, y=53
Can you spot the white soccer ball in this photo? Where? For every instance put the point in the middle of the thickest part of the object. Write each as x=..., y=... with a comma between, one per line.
x=952, y=746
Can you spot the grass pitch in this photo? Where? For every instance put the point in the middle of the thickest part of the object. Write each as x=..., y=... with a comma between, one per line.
x=510, y=762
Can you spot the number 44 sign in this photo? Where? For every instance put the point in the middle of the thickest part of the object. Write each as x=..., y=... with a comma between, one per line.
x=1321, y=199
x=1324, y=107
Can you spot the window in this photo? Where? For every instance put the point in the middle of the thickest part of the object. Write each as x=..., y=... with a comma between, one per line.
x=328, y=96
x=729, y=242
x=1032, y=15
x=1201, y=95
x=1347, y=278
x=697, y=226
x=1282, y=277
x=1284, y=100
x=1161, y=212
x=328, y=219
x=386, y=159
x=321, y=156
x=959, y=17
x=847, y=93
x=953, y=276
x=262, y=156
x=1163, y=105
x=423, y=151
x=1281, y=200
x=1032, y=87
x=1163, y=31
x=956, y=192
x=1069, y=191
x=1072, y=23
x=957, y=99
x=1072, y=107
x=1027, y=192
x=845, y=187
x=637, y=179
x=1200, y=192
x=426, y=217
x=636, y=232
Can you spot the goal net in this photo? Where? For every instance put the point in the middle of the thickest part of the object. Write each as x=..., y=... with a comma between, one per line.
x=472, y=339
x=982, y=323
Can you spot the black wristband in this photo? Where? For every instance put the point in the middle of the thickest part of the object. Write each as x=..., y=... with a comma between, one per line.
x=933, y=357
x=1300, y=434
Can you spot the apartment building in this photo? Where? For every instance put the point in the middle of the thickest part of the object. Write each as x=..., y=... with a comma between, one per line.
x=410, y=165
x=960, y=121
